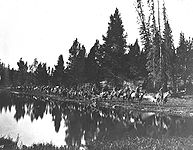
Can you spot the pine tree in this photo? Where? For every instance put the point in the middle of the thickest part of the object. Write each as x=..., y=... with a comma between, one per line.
x=156, y=49
x=146, y=30
x=114, y=45
x=58, y=74
x=76, y=63
x=41, y=74
x=1, y=73
x=22, y=68
x=156, y=54
x=190, y=58
x=11, y=76
x=185, y=61
x=32, y=69
x=134, y=50
x=189, y=85
x=169, y=55
x=115, y=39
x=92, y=63
x=132, y=61
x=182, y=55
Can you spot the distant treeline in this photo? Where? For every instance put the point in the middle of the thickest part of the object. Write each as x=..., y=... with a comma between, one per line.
x=158, y=62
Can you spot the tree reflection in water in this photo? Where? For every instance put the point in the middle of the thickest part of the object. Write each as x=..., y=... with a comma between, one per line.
x=85, y=123
x=56, y=116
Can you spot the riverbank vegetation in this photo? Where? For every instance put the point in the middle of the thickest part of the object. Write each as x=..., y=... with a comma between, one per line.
x=138, y=143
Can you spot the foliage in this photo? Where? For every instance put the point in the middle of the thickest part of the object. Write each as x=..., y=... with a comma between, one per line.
x=22, y=68
x=147, y=33
x=169, y=143
x=157, y=61
x=58, y=73
x=161, y=61
x=114, y=46
x=184, y=60
x=76, y=63
x=92, y=70
x=41, y=74
x=168, y=50
x=134, y=62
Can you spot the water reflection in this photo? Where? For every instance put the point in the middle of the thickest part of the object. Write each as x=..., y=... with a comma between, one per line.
x=83, y=123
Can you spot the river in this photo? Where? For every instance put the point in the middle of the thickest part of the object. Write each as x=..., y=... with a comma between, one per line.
x=36, y=120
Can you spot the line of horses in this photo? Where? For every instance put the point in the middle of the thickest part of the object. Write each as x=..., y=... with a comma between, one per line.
x=137, y=94
x=91, y=92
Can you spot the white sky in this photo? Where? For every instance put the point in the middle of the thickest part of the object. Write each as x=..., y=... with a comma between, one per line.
x=44, y=29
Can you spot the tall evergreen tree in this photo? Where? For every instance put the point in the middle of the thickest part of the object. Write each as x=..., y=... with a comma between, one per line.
x=114, y=45
x=144, y=29
x=32, y=68
x=22, y=68
x=189, y=85
x=190, y=58
x=76, y=63
x=41, y=74
x=92, y=63
x=11, y=76
x=146, y=39
x=169, y=55
x=157, y=54
x=135, y=62
x=58, y=74
x=134, y=50
x=184, y=56
x=131, y=59
x=4, y=74
x=1, y=73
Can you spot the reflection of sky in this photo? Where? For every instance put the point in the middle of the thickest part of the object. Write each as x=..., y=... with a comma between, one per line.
x=40, y=131
x=79, y=124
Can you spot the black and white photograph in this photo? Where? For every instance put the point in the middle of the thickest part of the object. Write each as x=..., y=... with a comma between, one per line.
x=96, y=75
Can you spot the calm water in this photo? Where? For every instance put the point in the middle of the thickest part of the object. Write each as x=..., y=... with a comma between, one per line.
x=38, y=120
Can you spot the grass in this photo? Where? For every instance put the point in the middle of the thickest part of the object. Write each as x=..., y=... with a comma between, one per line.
x=164, y=143
x=7, y=143
x=175, y=143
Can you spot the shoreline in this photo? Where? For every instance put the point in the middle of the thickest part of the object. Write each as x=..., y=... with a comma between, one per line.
x=174, y=106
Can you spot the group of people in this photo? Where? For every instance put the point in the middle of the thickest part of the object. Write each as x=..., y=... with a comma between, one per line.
x=86, y=91
x=94, y=92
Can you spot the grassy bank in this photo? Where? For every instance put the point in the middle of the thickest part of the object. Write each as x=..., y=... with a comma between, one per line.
x=164, y=143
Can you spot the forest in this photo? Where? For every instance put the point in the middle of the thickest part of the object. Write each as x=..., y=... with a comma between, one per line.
x=153, y=59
